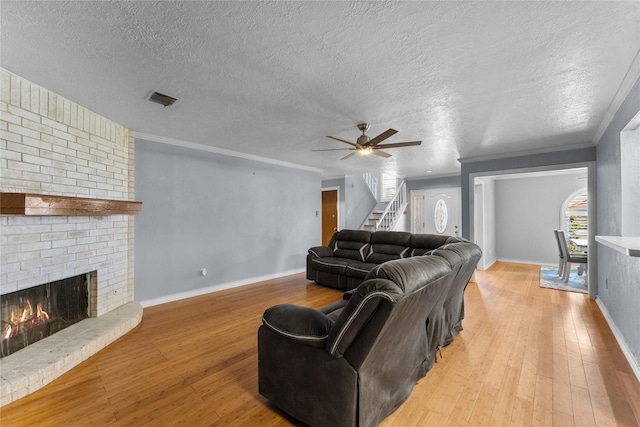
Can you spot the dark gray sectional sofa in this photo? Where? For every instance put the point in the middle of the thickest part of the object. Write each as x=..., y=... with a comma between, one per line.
x=351, y=254
x=353, y=362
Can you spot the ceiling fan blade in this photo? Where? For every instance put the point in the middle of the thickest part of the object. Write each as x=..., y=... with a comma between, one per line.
x=342, y=140
x=380, y=153
x=399, y=144
x=349, y=155
x=384, y=135
x=335, y=149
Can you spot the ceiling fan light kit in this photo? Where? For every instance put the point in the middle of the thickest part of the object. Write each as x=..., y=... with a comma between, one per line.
x=365, y=146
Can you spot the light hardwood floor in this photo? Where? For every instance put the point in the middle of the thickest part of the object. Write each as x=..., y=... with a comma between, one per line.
x=527, y=356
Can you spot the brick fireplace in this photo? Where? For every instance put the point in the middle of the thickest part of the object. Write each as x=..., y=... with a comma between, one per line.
x=52, y=146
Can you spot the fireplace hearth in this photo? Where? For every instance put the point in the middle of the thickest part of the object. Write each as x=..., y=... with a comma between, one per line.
x=29, y=315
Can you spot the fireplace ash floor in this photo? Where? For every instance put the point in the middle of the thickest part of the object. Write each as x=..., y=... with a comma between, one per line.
x=35, y=366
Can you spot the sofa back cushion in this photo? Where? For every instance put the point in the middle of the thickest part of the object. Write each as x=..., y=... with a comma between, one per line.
x=388, y=245
x=423, y=243
x=351, y=244
x=412, y=273
x=454, y=259
x=360, y=308
x=386, y=283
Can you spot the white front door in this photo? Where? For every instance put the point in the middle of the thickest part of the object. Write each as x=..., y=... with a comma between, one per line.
x=436, y=211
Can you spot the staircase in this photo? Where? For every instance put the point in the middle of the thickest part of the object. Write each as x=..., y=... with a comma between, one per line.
x=375, y=216
x=385, y=215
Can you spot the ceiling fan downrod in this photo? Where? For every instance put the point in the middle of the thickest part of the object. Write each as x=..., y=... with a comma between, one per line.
x=363, y=139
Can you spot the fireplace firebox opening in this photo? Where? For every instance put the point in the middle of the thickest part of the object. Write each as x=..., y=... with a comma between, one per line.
x=29, y=315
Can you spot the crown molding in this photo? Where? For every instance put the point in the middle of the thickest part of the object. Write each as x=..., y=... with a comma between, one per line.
x=202, y=147
x=526, y=153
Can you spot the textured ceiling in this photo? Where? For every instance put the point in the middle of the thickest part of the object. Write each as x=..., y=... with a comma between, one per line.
x=271, y=79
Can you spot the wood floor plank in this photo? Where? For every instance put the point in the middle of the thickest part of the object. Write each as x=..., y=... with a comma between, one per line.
x=582, y=409
x=505, y=402
x=632, y=390
x=522, y=414
x=561, y=385
x=561, y=419
x=543, y=402
x=527, y=356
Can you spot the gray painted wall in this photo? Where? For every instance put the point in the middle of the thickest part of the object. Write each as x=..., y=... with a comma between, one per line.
x=238, y=218
x=435, y=182
x=358, y=201
x=527, y=210
x=618, y=275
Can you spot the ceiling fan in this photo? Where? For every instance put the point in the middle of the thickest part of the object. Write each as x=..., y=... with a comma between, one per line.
x=365, y=145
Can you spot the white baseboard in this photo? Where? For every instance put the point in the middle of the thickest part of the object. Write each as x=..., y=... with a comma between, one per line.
x=635, y=364
x=524, y=261
x=216, y=288
x=487, y=264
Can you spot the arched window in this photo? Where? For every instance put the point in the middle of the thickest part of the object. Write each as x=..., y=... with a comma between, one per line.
x=575, y=219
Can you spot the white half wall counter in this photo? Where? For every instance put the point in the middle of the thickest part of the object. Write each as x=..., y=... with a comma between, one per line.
x=629, y=246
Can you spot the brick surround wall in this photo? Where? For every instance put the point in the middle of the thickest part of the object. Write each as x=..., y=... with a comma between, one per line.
x=50, y=145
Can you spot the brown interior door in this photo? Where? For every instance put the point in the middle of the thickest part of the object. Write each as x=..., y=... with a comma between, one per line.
x=329, y=215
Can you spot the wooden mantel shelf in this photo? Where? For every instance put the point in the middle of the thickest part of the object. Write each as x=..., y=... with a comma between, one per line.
x=43, y=204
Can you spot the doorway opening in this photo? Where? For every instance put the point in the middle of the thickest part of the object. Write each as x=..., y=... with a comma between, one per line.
x=574, y=217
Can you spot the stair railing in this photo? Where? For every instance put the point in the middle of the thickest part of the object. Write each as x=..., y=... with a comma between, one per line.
x=394, y=209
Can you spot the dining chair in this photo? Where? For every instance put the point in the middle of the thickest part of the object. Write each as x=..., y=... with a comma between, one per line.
x=561, y=259
x=570, y=258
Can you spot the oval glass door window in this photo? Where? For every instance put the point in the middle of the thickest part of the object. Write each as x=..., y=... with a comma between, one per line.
x=440, y=216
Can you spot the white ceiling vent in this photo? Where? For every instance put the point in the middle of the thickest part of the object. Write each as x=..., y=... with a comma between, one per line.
x=163, y=99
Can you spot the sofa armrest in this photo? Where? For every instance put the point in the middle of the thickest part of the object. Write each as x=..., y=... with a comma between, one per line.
x=321, y=251
x=301, y=324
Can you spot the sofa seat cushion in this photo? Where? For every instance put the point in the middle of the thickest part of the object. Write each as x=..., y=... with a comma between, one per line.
x=331, y=265
x=301, y=324
x=359, y=270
